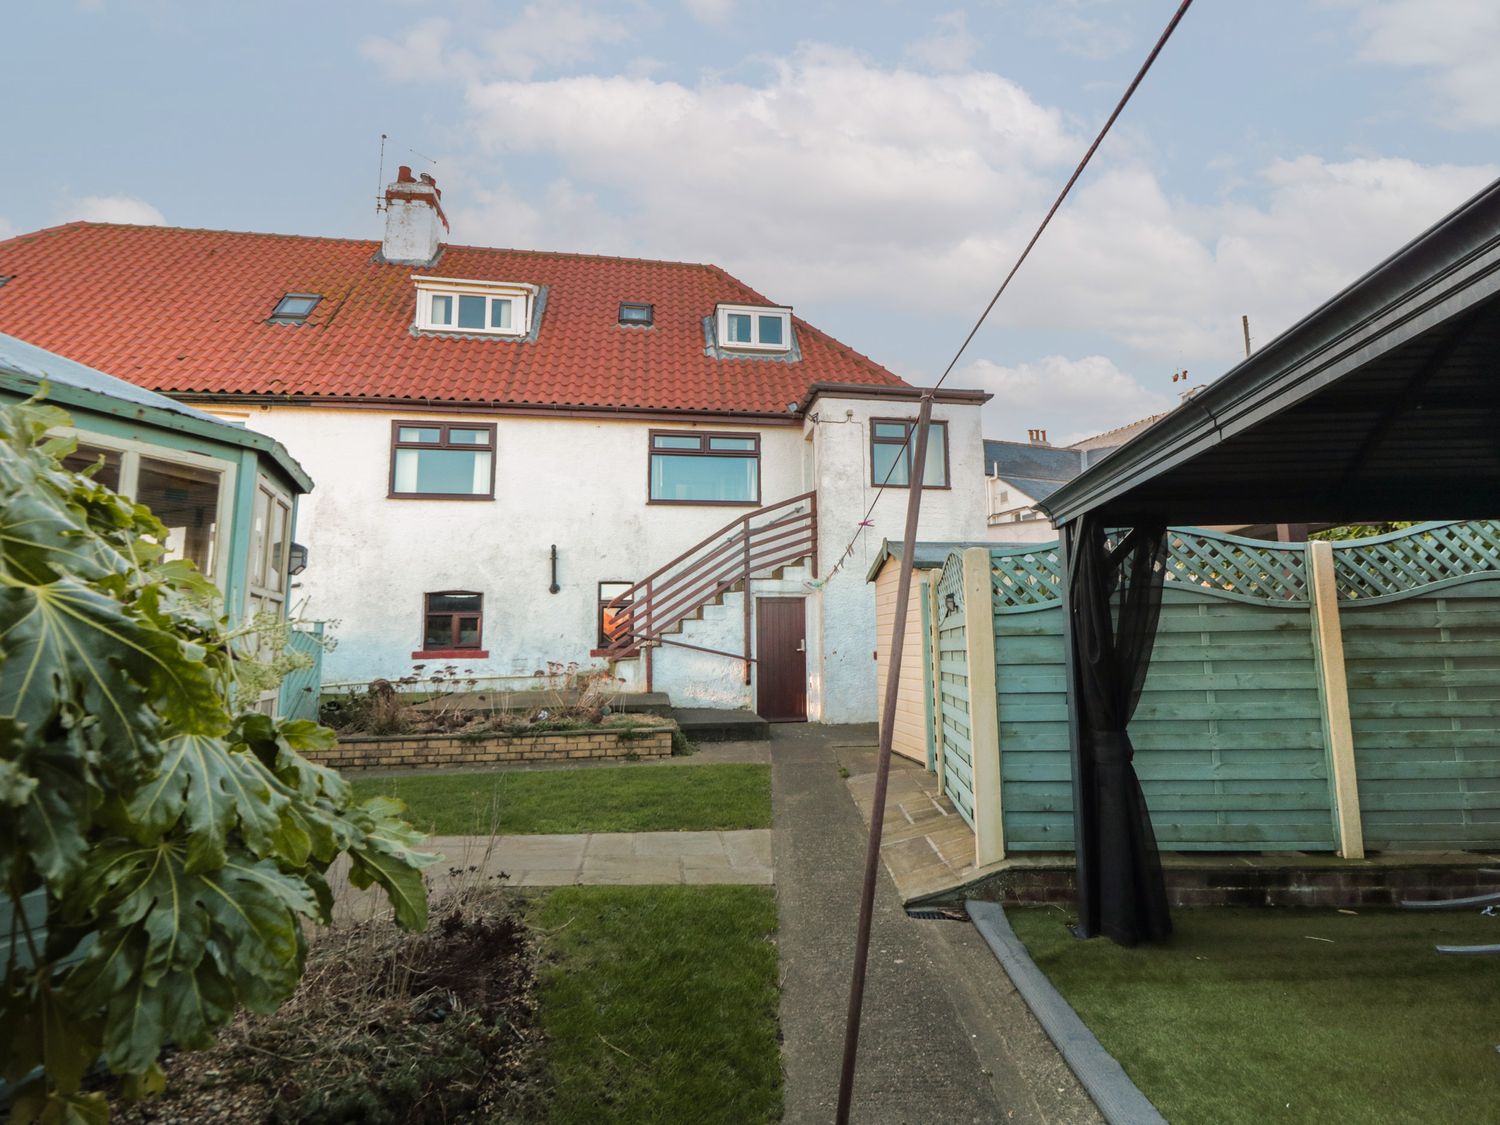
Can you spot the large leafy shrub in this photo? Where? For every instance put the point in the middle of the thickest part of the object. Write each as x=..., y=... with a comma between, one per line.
x=179, y=843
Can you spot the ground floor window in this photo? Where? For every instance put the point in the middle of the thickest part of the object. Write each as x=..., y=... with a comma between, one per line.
x=452, y=624
x=610, y=617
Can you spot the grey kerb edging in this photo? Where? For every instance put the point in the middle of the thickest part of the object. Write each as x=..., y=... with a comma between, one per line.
x=1117, y=1097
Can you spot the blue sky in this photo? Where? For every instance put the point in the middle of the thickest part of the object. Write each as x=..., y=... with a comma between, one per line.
x=876, y=165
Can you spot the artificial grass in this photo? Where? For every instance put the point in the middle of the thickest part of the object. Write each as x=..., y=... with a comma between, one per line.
x=598, y=799
x=659, y=1004
x=1252, y=1016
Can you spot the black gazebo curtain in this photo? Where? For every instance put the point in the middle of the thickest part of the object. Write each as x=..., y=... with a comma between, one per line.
x=1114, y=603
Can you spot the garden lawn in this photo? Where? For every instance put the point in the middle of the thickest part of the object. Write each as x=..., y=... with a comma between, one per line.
x=659, y=1003
x=596, y=799
x=1256, y=1016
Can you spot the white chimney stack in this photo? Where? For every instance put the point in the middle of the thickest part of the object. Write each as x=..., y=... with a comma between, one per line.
x=413, y=213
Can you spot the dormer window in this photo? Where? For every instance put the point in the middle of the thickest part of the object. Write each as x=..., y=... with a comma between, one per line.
x=484, y=308
x=634, y=314
x=754, y=328
x=294, y=308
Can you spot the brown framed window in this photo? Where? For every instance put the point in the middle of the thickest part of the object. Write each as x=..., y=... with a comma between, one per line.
x=891, y=453
x=611, y=616
x=452, y=624
x=442, y=460
x=695, y=467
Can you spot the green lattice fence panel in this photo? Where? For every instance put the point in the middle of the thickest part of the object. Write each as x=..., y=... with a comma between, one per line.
x=1421, y=559
x=953, y=667
x=1225, y=566
x=1424, y=702
x=1244, y=570
x=1229, y=731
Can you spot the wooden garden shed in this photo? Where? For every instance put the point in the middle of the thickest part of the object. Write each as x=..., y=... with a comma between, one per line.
x=912, y=735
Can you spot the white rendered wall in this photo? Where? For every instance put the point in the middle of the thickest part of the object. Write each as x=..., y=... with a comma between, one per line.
x=1037, y=529
x=843, y=681
x=579, y=483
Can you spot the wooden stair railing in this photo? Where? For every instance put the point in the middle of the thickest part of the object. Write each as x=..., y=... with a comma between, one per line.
x=754, y=545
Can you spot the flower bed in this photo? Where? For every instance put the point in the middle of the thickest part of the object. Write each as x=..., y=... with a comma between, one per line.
x=615, y=743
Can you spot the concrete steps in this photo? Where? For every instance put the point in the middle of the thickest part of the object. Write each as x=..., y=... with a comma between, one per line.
x=707, y=724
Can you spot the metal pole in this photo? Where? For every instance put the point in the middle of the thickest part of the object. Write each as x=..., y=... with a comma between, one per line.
x=745, y=531
x=883, y=769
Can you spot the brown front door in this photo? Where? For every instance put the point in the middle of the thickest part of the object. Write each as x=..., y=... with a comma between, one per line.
x=781, y=659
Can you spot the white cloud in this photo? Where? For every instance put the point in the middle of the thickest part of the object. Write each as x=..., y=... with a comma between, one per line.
x=830, y=164
x=714, y=12
x=7, y=228
x=836, y=181
x=1090, y=37
x=1069, y=398
x=112, y=209
x=543, y=36
x=1453, y=41
x=421, y=53
x=1172, y=280
x=948, y=47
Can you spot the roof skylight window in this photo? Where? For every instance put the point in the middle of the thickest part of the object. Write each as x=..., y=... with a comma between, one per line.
x=294, y=308
x=479, y=308
x=756, y=328
x=636, y=314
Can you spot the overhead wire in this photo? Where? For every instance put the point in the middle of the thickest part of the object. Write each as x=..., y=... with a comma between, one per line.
x=920, y=430
x=865, y=523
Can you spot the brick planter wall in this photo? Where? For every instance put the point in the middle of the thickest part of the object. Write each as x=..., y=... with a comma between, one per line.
x=425, y=751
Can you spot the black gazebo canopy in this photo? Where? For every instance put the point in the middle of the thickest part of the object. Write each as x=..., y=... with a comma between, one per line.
x=1382, y=404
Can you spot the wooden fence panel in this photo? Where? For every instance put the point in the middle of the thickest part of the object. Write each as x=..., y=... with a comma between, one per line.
x=1229, y=730
x=1228, y=734
x=1424, y=701
x=1232, y=734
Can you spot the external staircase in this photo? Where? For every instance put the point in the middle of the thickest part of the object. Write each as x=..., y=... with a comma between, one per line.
x=763, y=544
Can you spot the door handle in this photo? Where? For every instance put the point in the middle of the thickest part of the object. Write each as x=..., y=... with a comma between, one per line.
x=802, y=645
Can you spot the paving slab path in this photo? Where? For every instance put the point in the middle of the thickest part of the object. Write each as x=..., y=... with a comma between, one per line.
x=615, y=858
x=945, y=1037
x=741, y=857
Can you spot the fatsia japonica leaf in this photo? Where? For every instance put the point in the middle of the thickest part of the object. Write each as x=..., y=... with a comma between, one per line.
x=53, y=820
x=213, y=790
x=180, y=847
x=387, y=855
x=42, y=506
x=66, y=640
x=179, y=950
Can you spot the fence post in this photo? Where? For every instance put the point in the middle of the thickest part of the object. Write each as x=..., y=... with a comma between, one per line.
x=984, y=717
x=1334, y=694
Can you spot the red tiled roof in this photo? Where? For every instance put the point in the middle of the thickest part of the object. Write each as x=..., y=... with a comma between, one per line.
x=184, y=312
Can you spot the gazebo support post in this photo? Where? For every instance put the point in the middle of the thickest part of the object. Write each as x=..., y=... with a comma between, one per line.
x=1122, y=893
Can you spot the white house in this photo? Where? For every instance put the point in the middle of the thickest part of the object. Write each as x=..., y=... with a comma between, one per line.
x=1020, y=474
x=506, y=441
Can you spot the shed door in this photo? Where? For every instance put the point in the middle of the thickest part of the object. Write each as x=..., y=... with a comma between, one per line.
x=781, y=659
